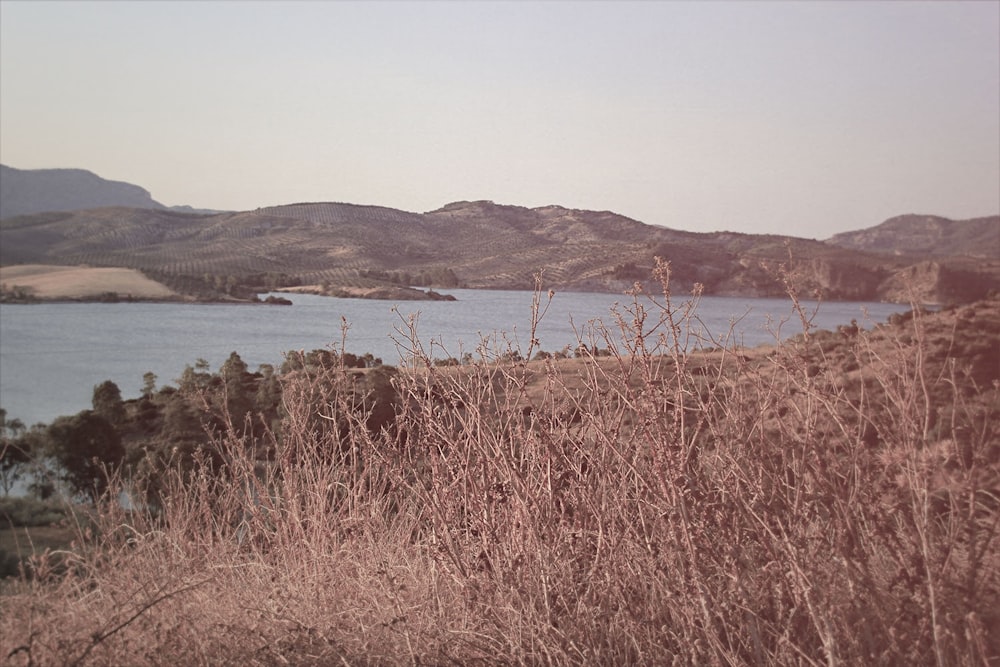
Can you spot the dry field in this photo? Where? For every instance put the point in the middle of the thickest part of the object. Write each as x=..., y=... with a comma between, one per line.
x=834, y=500
x=45, y=281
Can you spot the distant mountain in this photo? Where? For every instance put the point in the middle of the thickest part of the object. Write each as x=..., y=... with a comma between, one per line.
x=927, y=235
x=473, y=244
x=72, y=216
x=26, y=191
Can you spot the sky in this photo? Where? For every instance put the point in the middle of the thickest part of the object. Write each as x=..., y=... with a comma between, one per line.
x=806, y=118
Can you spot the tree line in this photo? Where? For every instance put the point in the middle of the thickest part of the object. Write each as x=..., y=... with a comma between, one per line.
x=170, y=427
x=435, y=277
x=180, y=426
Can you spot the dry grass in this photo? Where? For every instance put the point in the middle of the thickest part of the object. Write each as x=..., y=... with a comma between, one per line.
x=831, y=501
x=80, y=282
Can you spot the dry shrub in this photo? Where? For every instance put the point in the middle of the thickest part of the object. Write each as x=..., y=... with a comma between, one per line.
x=679, y=501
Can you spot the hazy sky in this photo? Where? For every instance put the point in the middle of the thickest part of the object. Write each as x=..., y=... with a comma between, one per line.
x=801, y=118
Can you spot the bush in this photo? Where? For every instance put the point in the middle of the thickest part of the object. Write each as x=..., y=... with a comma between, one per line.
x=658, y=505
x=10, y=564
x=16, y=512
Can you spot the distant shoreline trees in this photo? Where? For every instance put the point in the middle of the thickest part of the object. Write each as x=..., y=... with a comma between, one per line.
x=142, y=438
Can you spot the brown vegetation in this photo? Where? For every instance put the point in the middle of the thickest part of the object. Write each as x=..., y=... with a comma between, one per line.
x=474, y=244
x=833, y=499
x=36, y=281
x=928, y=235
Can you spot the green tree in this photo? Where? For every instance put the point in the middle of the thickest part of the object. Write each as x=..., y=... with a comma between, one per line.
x=233, y=369
x=236, y=381
x=267, y=398
x=180, y=421
x=107, y=402
x=88, y=450
x=148, y=384
x=14, y=455
x=196, y=378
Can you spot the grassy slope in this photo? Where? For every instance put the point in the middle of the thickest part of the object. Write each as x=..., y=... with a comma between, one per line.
x=833, y=500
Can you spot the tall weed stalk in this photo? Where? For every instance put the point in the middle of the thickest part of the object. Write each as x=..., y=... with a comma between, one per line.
x=662, y=498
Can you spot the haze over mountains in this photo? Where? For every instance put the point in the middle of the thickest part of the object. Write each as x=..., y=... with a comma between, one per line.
x=71, y=217
x=26, y=191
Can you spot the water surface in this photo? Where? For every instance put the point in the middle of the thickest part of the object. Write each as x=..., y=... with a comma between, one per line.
x=52, y=355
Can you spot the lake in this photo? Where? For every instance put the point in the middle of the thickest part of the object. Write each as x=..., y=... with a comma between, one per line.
x=52, y=355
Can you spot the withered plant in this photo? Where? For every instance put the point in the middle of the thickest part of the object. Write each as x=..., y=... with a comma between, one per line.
x=673, y=499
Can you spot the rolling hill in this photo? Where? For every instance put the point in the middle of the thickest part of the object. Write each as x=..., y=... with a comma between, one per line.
x=474, y=244
x=927, y=235
x=72, y=217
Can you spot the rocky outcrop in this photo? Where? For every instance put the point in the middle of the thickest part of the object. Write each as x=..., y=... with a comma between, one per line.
x=932, y=282
x=843, y=280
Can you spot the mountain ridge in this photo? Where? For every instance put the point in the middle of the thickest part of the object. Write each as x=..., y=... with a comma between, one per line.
x=933, y=235
x=22, y=191
x=480, y=244
x=28, y=191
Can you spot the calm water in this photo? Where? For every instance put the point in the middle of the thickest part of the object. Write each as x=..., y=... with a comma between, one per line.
x=52, y=355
